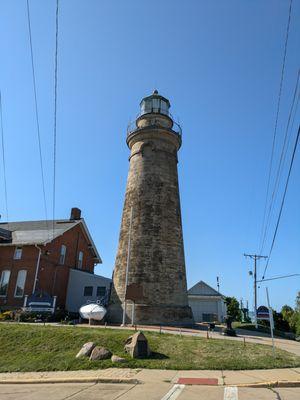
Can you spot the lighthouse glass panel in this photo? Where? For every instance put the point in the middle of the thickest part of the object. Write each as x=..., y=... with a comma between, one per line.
x=154, y=105
x=146, y=106
x=164, y=108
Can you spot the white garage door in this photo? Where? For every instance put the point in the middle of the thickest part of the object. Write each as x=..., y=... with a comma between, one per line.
x=203, y=309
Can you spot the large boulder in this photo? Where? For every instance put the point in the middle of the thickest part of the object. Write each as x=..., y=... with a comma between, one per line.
x=86, y=350
x=100, y=353
x=137, y=346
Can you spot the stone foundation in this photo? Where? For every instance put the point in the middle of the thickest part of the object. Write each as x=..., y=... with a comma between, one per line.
x=152, y=315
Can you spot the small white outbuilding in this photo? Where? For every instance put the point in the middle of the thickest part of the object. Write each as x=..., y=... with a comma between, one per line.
x=207, y=304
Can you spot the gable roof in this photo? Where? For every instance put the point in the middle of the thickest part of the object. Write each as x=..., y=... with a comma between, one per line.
x=203, y=289
x=43, y=232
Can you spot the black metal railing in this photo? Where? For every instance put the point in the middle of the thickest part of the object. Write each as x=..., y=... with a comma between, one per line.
x=176, y=128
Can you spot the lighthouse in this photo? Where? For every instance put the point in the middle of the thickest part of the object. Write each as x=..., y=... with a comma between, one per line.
x=149, y=278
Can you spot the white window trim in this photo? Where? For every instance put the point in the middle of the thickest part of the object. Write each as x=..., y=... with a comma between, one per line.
x=17, y=249
x=2, y=273
x=22, y=295
x=62, y=254
x=80, y=260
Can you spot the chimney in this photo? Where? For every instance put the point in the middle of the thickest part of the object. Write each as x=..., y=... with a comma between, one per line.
x=75, y=213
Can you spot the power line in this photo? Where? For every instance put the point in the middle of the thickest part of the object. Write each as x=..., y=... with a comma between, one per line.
x=283, y=200
x=278, y=277
x=36, y=112
x=55, y=115
x=3, y=159
x=281, y=160
x=277, y=115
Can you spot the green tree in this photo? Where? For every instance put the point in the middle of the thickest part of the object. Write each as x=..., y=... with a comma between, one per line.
x=294, y=322
x=233, y=308
x=296, y=316
x=280, y=323
x=287, y=313
x=298, y=302
x=287, y=310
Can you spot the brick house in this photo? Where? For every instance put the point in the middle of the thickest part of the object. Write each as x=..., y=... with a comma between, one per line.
x=37, y=257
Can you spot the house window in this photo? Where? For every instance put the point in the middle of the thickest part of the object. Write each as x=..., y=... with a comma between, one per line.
x=62, y=256
x=88, y=291
x=80, y=259
x=101, y=290
x=18, y=253
x=20, y=285
x=4, y=282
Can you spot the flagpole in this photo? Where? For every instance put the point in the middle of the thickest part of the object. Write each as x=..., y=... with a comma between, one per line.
x=127, y=267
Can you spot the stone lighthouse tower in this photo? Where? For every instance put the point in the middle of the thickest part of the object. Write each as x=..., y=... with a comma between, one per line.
x=149, y=280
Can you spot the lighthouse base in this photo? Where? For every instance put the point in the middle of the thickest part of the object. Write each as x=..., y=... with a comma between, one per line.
x=142, y=314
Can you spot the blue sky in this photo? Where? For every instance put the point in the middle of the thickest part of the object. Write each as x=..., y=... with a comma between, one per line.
x=218, y=62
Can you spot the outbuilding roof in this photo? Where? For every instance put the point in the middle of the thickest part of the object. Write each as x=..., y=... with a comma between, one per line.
x=203, y=289
x=42, y=232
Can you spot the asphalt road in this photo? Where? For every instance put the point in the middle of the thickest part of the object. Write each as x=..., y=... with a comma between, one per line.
x=148, y=391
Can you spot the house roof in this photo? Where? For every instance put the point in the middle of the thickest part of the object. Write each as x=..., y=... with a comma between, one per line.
x=203, y=289
x=43, y=232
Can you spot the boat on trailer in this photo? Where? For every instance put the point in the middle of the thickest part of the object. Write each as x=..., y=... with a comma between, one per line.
x=92, y=311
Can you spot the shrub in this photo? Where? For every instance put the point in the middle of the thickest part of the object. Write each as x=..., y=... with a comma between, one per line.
x=30, y=316
x=6, y=316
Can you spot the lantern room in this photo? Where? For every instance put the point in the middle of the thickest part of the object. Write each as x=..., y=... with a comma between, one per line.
x=155, y=104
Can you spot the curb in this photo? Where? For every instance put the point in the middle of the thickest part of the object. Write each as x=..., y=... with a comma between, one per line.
x=269, y=384
x=69, y=380
x=133, y=381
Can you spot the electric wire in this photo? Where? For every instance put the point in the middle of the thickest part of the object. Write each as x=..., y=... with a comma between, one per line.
x=55, y=117
x=37, y=113
x=281, y=161
x=278, y=277
x=283, y=200
x=276, y=118
x=3, y=161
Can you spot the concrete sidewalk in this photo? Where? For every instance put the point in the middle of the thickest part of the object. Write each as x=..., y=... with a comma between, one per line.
x=250, y=378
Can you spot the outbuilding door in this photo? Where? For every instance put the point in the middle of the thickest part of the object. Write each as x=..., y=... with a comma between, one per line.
x=204, y=310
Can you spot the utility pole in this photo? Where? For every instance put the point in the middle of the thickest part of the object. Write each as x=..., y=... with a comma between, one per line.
x=255, y=257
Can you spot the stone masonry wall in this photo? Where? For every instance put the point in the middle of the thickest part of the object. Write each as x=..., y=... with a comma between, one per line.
x=157, y=253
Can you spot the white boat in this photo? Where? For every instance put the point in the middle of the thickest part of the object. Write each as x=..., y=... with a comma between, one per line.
x=92, y=311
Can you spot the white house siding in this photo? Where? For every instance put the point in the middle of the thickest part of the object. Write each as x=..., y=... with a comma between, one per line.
x=78, y=280
x=206, y=303
x=200, y=307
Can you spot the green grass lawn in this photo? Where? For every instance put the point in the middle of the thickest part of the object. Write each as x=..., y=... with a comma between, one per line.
x=260, y=328
x=52, y=348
